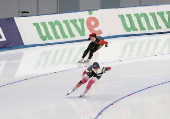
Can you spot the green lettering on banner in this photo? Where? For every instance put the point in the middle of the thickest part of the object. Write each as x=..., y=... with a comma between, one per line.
x=53, y=27
x=69, y=28
x=131, y=22
x=145, y=16
x=155, y=20
x=47, y=35
x=162, y=16
x=80, y=29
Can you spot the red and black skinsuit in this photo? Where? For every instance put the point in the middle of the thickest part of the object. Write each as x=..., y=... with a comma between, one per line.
x=90, y=73
x=94, y=46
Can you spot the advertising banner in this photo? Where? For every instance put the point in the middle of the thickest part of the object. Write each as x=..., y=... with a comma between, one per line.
x=105, y=22
x=136, y=20
x=58, y=27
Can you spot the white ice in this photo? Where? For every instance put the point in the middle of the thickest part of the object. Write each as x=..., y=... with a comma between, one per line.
x=137, y=63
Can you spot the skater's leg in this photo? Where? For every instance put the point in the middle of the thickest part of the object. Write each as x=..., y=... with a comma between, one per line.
x=91, y=52
x=85, y=53
x=90, y=46
x=81, y=82
x=85, y=78
x=90, y=83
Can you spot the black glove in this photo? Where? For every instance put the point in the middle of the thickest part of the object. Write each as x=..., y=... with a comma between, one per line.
x=99, y=75
x=106, y=45
x=103, y=70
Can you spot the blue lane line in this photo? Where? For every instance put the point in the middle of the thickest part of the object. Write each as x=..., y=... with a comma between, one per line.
x=39, y=76
x=128, y=96
x=136, y=58
x=75, y=68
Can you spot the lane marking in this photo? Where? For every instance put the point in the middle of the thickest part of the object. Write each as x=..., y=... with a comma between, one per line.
x=39, y=76
x=101, y=112
x=76, y=68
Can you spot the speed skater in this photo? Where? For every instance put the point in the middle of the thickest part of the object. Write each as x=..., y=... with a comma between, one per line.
x=91, y=74
x=96, y=44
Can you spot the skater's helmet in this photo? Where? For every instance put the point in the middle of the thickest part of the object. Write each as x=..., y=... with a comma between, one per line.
x=96, y=65
x=92, y=35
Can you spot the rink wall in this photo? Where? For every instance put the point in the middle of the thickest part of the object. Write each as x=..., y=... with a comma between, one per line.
x=19, y=32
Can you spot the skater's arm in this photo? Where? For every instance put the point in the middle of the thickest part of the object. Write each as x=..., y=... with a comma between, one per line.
x=104, y=69
x=103, y=42
x=99, y=75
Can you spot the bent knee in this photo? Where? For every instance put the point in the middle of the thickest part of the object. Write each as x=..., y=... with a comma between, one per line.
x=84, y=80
x=91, y=82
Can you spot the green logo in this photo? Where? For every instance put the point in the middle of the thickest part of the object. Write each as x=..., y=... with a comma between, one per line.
x=145, y=21
x=66, y=28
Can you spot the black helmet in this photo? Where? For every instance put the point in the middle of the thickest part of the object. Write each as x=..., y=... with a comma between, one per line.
x=96, y=65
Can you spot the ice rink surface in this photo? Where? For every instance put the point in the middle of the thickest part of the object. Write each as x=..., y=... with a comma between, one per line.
x=34, y=81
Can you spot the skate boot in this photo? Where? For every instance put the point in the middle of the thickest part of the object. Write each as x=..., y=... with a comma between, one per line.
x=87, y=60
x=81, y=60
x=69, y=92
x=82, y=95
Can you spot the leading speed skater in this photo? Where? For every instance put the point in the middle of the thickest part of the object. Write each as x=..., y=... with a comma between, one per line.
x=90, y=75
x=96, y=43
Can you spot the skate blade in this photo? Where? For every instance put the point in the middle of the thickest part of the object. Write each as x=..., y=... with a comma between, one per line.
x=68, y=94
x=81, y=96
x=83, y=62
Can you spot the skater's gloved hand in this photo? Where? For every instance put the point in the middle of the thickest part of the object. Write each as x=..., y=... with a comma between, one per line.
x=104, y=69
x=107, y=68
x=106, y=45
x=99, y=75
